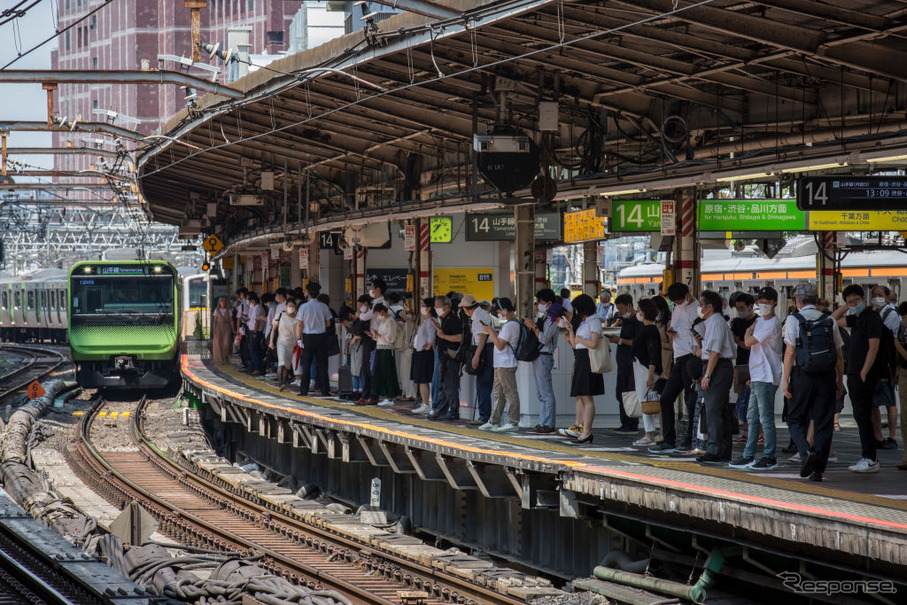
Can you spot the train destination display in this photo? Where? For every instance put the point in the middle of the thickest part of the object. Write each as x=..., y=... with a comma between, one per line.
x=852, y=193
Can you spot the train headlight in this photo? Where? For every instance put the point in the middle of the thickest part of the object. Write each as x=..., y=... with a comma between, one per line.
x=87, y=269
x=158, y=269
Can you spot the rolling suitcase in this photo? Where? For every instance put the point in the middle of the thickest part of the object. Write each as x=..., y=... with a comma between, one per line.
x=344, y=382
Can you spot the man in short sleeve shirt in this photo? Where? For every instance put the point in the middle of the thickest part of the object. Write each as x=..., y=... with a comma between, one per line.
x=811, y=395
x=717, y=377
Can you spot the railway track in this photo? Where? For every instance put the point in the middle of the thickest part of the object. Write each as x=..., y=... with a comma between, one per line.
x=28, y=577
x=199, y=512
x=37, y=363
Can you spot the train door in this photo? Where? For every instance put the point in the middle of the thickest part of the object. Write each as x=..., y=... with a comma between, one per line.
x=4, y=311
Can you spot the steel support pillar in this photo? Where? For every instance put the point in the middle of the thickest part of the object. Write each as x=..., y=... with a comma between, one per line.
x=827, y=270
x=541, y=269
x=423, y=254
x=314, y=272
x=524, y=258
x=590, y=269
x=686, y=244
x=359, y=258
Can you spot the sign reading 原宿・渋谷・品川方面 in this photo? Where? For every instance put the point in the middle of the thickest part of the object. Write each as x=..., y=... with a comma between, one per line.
x=750, y=215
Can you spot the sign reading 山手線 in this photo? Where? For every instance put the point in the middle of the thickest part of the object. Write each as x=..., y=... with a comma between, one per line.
x=750, y=215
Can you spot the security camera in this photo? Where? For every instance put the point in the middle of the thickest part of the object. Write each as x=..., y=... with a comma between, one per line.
x=287, y=246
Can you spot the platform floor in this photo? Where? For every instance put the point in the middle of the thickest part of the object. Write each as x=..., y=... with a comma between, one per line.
x=877, y=499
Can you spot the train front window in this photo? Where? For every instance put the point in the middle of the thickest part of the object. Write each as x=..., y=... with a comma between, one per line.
x=4, y=301
x=198, y=293
x=139, y=295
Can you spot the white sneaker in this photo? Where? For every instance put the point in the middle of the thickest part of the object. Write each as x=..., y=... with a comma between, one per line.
x=296, y=383
x=422, y=409
x=865, y=465
x=505, y=427
x=386, y=403
x=488, y=427
x=833, y=458
x=795, y=457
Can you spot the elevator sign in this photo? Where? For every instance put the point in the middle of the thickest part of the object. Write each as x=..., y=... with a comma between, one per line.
x=852, y=193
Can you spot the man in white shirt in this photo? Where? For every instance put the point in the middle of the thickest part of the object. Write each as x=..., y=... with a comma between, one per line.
x=604, y=309
x=314, y=319
x=505, y=364
x=482, y=358
x=764, y=340
x=680, y=332
x=811, y=392
x=274, y=311
x=717, y=378
x=254, y=324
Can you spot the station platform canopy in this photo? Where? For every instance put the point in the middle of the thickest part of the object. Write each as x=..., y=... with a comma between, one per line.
x=597, y=98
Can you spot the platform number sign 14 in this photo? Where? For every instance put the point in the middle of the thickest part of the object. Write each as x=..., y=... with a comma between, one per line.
x=815, y=192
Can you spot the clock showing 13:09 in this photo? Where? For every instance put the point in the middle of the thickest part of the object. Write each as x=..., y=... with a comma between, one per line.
x=441, y=229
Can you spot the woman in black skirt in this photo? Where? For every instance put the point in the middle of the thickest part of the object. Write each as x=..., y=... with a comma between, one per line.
x=585, y=384
x=423, y=366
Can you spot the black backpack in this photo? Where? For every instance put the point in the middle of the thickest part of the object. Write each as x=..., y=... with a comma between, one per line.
x=815, y=349
x=528, y=347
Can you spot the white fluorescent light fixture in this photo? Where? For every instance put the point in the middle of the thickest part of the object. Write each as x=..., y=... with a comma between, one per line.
x=742, y=175
x=809, y=167
x=610, y=192
x=892, y=155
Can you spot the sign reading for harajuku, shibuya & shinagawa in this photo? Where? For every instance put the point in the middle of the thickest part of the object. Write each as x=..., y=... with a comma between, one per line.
x=750, y=215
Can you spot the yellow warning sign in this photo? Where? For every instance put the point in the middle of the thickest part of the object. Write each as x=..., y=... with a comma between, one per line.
x=35, y=390
x=212, y=244
x=466, y=280
x=583, y=226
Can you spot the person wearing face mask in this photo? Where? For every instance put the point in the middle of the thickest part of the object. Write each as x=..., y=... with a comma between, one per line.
x=423, y=356
x=864, y=368
x=314, y=321
x=283, y=340
x=481, y=362
x=765, y=367
x=900, y=345
x=629, y=327
x=546, y=330
x=646, y=351
x=746, y=317
x=604, y=309
x=505, y=390
x=366, y=314
x=883, y=397
x=449, y=335
x=680, y=381
x=717, y=352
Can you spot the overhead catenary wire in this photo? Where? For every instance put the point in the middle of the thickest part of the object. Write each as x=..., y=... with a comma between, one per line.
x=57, y=32
x=403, y=87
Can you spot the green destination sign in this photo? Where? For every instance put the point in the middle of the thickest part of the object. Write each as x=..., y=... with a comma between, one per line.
x=750, y=215
x=635, y=215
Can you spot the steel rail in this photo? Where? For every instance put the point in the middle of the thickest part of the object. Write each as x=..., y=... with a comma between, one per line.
x=34, y=353
x=276, y=520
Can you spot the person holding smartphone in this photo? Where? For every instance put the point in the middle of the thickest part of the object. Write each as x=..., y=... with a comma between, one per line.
x=546, y=330
x=585, y=385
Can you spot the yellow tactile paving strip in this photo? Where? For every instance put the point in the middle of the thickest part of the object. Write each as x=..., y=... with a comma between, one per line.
x=546, y=446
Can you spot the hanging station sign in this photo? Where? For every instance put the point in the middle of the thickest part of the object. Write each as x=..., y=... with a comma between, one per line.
x=583, y=226
x=499, y=226
x=750, y=215
x=636, y=216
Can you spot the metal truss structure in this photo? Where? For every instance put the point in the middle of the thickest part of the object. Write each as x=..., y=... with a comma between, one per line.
x=43, y=233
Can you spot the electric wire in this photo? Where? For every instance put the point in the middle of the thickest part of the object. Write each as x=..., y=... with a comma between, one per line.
x=57, y=33
x=17, y=14
x=404, y=87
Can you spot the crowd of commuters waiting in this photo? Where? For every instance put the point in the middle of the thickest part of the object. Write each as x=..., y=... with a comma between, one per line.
x=694, y=375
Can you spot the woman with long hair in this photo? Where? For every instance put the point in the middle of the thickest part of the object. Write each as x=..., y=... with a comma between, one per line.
x=222, y=337
x=585, y=384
